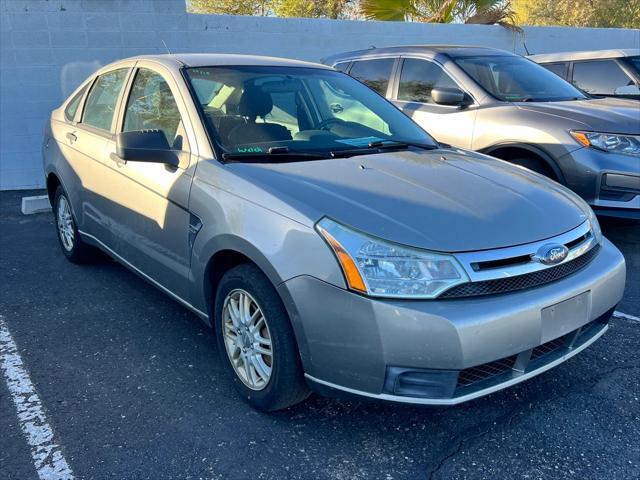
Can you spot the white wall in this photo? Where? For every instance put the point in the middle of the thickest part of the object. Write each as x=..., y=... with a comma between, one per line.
x=48, y=46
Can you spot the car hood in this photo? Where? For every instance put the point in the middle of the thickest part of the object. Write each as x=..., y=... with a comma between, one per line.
x=444, y=200
x=612, y=115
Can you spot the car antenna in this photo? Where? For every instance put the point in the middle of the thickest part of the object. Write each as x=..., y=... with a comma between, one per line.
x=165, y=46
x=524, y=44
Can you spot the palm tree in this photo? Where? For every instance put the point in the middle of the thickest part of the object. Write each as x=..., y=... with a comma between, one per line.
x=486, y=12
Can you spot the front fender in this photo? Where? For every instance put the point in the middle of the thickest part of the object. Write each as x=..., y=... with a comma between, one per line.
x=281, y=247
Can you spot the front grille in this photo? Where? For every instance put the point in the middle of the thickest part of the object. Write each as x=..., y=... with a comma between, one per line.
x=521, y=282
x=472, y=375
x=549, y=347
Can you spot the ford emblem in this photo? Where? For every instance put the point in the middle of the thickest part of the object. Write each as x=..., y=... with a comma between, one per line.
x=551, y=254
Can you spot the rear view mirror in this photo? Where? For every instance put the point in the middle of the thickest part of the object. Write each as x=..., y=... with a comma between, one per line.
x=145, y=146
x=449, y=96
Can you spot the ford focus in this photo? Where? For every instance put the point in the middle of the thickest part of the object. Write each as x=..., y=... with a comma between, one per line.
x=330, y=242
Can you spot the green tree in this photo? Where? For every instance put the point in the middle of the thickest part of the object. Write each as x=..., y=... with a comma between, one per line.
x=310, y=8
x=229, y=7
x=279, y=8
x=580, y=13
x=441, y=11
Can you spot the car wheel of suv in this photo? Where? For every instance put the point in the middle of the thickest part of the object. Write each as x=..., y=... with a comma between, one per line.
x=72, y=245
x=256, y=341
x=535, y=165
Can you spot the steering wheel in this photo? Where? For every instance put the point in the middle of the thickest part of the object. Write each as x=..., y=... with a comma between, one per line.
x=324, y=125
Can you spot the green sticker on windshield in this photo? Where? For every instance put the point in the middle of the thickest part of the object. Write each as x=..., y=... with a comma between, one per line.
x=249, y=149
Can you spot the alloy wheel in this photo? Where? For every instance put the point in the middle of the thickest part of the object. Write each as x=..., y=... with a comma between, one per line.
x=65, y=224
x=247, y=339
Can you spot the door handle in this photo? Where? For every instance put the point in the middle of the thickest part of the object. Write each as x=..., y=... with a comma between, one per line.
x=71, y=137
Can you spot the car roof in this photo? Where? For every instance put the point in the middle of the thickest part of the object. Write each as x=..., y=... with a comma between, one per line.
x=221, y=59
x=585, y=55
x=432, y=50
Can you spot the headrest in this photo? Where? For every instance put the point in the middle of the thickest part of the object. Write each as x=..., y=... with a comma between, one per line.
x=254, y=102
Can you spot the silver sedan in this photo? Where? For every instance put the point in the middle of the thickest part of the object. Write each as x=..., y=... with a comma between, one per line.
x=330, y=242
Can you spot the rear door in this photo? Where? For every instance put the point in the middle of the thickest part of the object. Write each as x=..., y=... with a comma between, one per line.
x=90, y=141
x=150, y=200
x=449, y=124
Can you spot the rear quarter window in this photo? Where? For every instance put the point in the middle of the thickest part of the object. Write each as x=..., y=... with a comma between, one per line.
x=72, y=106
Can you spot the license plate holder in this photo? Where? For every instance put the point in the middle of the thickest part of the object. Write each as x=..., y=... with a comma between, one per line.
x=566, y=316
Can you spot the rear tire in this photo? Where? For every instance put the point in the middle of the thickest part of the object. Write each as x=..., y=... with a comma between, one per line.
x=72, y=245
x=256, y=342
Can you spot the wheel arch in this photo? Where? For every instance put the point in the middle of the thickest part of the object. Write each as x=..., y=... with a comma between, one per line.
x=508, y=151
x=230, y=252
x=52, y=184
x=224, y=253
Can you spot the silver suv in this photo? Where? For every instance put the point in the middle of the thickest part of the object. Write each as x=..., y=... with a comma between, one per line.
x=349, y=255
x=509, y=107
x=602, y=73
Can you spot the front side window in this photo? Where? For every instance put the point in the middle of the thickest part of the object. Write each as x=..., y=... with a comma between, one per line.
x=151, y=106
x=559, y=69
x=101, y=102
x=419, y=77
x=72, y=106
x=516, y=79
x=294, y=109
x=601, y=77
x=375, y=74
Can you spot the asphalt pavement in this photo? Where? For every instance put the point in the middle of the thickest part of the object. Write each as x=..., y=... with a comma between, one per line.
x=132, y=388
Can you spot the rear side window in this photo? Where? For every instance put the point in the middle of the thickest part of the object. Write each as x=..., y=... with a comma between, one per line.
x=559, y=69
x=599, y=77
x=72, y=106
x=101, y=102
x=375, y=74
x=419, y=77
x=152, y=106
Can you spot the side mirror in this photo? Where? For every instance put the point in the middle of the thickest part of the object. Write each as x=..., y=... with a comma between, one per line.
x=145, y=146
x=449, y=96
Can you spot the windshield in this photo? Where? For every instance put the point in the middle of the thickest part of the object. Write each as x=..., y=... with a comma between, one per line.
x=516, y=79
x=261, y=110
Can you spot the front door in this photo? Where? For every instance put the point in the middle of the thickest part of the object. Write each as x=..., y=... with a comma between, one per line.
x=448, y=124
x=150, y=200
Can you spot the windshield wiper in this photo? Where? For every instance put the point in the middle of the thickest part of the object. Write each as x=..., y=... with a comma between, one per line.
x=274, y=154
x=379, y=146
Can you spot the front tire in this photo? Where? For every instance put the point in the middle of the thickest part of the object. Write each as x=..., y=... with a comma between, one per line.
x=256, y=341
x=73, y=247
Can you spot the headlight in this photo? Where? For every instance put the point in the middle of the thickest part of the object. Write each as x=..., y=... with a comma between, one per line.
x=595, y=225
x=609, y=142
x=383, y=269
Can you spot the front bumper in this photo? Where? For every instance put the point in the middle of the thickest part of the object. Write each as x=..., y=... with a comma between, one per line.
x=359, y=345
x=609, y=182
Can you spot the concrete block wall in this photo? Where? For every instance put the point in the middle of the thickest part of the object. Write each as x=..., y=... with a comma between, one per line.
x=47, y=47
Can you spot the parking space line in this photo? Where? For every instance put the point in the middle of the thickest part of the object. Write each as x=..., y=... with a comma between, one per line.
x=46, y=453
x=626, y=316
